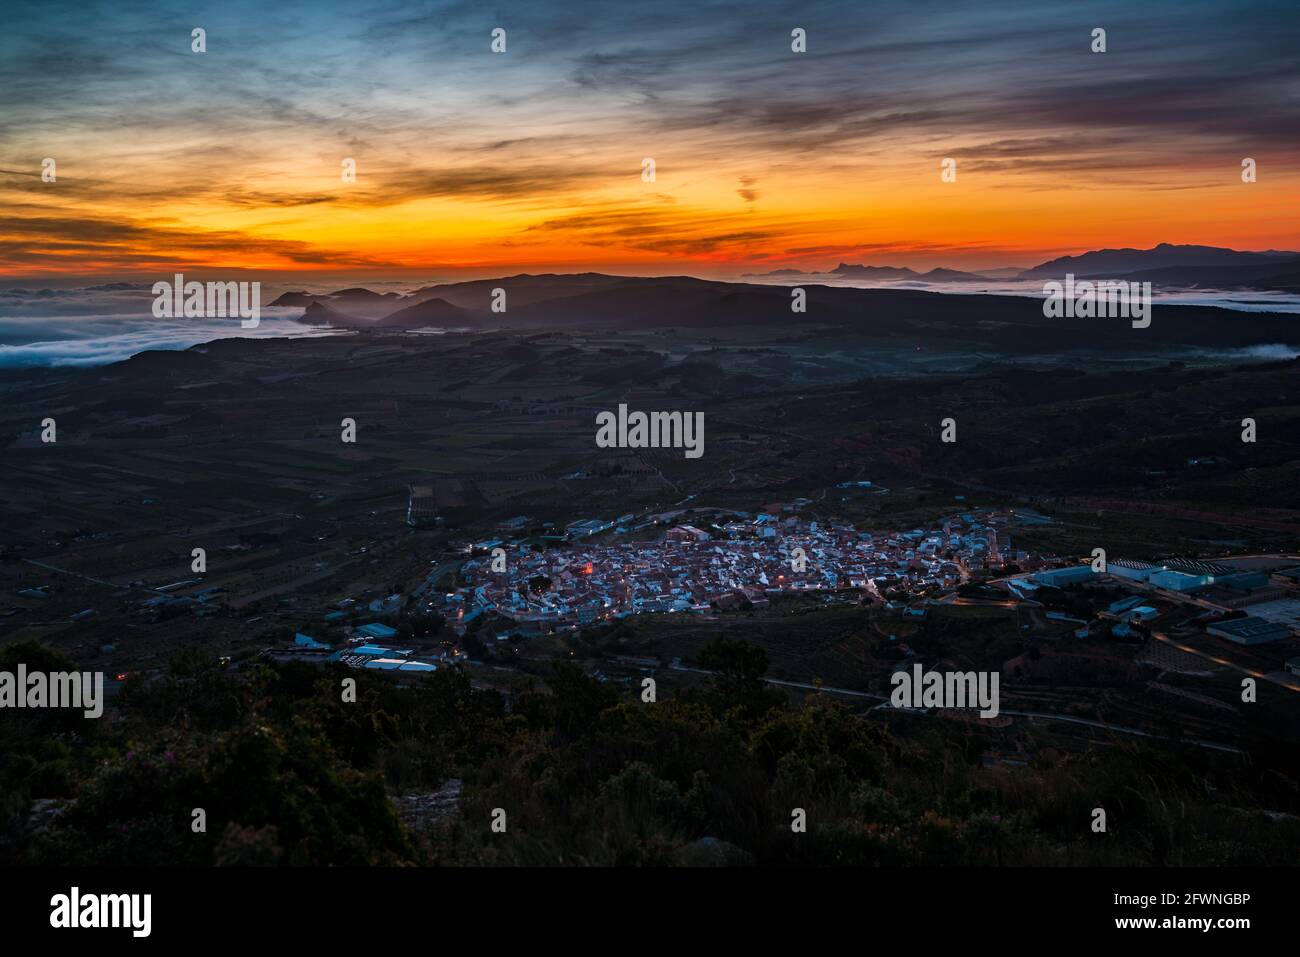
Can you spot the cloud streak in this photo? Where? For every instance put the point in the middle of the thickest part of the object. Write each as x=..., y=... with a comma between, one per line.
x=231, y=158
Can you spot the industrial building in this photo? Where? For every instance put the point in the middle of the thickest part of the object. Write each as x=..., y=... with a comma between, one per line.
x=1178, y=581
x=1249, y=631
x=1134, y=570
x=1071, y=575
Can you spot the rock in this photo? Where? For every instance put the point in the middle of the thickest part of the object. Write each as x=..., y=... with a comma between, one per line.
x=427, y=809
x=712, y=852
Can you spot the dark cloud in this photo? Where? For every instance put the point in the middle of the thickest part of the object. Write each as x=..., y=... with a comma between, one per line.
x=36, y=240
x=412, y=90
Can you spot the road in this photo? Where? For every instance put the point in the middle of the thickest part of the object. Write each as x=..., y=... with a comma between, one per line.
x=1283, y=682
x=1042, y=715
x=92, y=580
x=439, y=570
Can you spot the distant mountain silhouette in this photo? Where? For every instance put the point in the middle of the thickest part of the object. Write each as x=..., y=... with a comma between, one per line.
x=858, y=271
x=318, y=314
x=1190, y=266
x=432, y=312
x=1114, y=263
x=522, y=290
x=1012, y=324
x=950, y=275
x=298, y=299
x=1286, y=282
x=597, y=297
x=358, y=294
x=1282, y=275
x=357, y=301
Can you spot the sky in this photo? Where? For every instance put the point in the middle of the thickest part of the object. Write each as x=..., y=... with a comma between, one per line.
x=470, y=162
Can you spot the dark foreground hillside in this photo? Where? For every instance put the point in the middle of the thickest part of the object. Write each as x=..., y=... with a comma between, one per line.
x=289, y=774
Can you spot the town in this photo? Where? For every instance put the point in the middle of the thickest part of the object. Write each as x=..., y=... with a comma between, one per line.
x=738, y=559
x=746, y=561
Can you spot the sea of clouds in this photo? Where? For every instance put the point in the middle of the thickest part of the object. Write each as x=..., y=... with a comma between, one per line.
x=1241, y=300
x=96, y=325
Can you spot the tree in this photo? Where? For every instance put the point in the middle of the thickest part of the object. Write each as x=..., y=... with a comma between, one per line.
x=738, y=662
x=738, y=680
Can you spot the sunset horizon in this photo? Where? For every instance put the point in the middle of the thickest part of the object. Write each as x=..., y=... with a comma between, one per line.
x=469, y=162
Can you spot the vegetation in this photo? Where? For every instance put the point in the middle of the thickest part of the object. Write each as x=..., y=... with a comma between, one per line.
x=587, y=773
